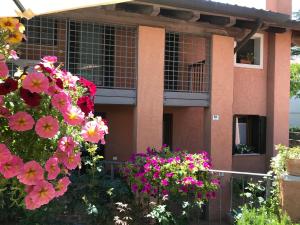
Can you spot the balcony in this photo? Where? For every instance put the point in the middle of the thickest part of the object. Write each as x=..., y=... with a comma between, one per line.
x=187, y=65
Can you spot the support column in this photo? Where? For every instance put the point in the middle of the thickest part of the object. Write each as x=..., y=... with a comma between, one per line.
x=219, y=132
x=278, y=91
x=148, y=113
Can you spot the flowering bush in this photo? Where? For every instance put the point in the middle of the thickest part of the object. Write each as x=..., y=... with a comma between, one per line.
x=163, y=173
x=46, y=117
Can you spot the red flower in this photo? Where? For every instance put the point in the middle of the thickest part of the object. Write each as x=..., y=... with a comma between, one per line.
x=31, y=99
x=59, y=83
x=88, y=84
x=85, y=104
x=8, y=86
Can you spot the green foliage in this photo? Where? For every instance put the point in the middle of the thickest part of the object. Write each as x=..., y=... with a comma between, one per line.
x=295, y=80
x=294, y=129
x=261, y=216
x=91, y=199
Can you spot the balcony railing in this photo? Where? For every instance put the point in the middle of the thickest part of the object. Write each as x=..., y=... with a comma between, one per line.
x=187, y=69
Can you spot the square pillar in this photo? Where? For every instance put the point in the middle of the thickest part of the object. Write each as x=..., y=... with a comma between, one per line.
x=148, y=113
x=278, y=91
x=281, y=6
x=218, y=133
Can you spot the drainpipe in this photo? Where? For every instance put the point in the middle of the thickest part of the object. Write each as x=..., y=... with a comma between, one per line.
x=241, y=43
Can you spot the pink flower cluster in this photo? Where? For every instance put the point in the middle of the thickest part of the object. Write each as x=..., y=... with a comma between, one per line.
x=39, y=190
x=161, y=173
x=53, y=107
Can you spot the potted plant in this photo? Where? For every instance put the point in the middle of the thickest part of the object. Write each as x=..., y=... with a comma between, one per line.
x=247, y=59
x=244, y=149
x=293, y=161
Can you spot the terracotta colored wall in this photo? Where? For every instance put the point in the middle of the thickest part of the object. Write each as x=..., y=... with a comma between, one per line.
x=188, y=127
x=249, y=163
x=278, y=91
x=148, y=113
x=219, y=133
x=250, y=87
x=282, y=6
x=119, y=141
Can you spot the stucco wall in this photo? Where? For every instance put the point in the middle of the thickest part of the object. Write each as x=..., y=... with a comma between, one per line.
x=249, y=163
x=119, y=141
x=250, y=87
x=188, y=127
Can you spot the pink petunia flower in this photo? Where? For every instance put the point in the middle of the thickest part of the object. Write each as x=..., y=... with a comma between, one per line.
x=13, y=54
x=52, y=168
x=72, y=161
x=3, y=70
x=31, y=173
x=5, y=154
x=30, y=204
x=61, y=101
x=53, y=89
x=12, y=167
x=47, y=127
x=60, y=155
x=4, y=112
x=67, y=144
x=36, y=82
x=73, y=116
x=42, y=193
x=62, y=186
x=49, y=59
x=92, y=132
x=21, y=121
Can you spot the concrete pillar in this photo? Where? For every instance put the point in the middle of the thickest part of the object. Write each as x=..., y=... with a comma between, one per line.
x=281, y=6
x=148, y=113
x=218, y=133
x=278, y=91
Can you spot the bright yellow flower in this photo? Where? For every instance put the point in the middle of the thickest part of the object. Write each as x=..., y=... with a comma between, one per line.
x=9, y=23
x=15, y=37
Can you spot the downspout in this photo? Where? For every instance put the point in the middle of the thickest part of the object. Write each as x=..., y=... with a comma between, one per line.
x=241, y=43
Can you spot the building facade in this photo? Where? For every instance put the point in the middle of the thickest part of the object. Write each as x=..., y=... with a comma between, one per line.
x=167, y=73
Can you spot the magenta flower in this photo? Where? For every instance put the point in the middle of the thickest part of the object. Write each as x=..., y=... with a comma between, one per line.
x=13, y=54
x=21, y=121
x=36, y=82
x=49, y=59
x=47, y=127
x=134, y=188
x=165, y=182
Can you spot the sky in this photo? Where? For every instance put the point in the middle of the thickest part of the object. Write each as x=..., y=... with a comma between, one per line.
x=260, y=4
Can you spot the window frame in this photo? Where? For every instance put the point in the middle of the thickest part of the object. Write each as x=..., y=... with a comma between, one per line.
x=261, y=50
x=262, y=138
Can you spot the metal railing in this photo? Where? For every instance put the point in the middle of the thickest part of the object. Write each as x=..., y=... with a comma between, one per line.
x=233, y=182
x=187, y=63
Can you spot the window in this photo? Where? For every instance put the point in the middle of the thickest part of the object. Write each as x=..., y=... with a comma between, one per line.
x=251, y=54
x=103, y=53
x=42, y=31
x=249, y=134
x=167, y=129
x=186, y=63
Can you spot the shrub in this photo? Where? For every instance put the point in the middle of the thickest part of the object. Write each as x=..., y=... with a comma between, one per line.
x=171, y=179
